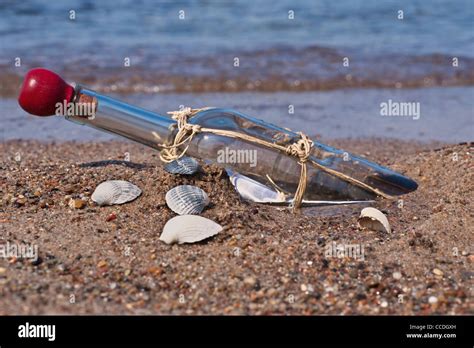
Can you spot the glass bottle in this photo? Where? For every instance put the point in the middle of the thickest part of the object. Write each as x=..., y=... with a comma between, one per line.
x=270, y=167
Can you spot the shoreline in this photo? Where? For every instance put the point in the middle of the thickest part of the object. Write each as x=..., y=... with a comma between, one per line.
x=266, y=261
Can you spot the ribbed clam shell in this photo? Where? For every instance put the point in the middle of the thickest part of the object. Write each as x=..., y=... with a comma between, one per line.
x=115, y=192
x=183, y=165
x=186, y=199
x=189, y=229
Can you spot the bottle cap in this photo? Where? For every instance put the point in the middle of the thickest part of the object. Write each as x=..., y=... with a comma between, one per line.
x=42, y=89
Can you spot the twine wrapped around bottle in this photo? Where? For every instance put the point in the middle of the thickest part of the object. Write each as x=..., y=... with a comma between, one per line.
x=300, y=149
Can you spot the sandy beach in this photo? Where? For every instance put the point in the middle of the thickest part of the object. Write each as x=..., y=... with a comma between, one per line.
x=268, y=260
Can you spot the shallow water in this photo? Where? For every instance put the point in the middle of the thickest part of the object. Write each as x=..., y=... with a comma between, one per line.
x=191, y=61
x=276, y=53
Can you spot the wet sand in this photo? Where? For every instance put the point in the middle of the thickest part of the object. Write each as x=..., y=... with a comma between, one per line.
x=267, y=260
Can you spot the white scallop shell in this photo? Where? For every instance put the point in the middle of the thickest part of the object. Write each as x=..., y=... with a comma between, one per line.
x=183, y=165
x=115, y=192
x=186, y=199
x=373, y=219
x=189, y=229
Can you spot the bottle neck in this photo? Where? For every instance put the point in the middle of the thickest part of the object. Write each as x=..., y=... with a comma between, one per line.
x=113, y=116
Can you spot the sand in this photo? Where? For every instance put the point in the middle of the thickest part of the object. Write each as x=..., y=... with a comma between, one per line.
x=268, y=260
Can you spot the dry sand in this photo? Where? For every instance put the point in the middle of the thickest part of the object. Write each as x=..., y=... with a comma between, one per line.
x=267, y=260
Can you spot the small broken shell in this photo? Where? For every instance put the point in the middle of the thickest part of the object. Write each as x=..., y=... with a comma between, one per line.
x=183, y=165
x=189, y=229
x=373, y=219
x=186, y=199
x=115, y=192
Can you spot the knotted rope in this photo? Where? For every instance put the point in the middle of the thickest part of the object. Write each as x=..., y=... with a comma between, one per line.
x=300, y=149
x=185, y=134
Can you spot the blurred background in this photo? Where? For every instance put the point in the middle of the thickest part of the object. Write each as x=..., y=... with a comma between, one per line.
x=319, y=66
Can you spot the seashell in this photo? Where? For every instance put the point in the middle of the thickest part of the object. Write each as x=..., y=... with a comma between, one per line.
x=115, y=192
x=186, y=199
x=373, y=219
x=183, y=165
x=189, y=229
x=254, y=191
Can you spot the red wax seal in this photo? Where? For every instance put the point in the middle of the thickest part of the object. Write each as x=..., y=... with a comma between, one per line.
x=41, y=91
